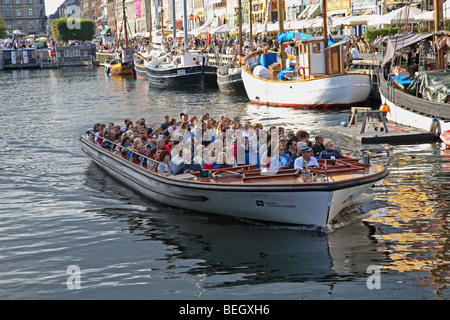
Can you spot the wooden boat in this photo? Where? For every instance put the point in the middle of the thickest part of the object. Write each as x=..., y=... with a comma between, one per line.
x=184, y=70
x=314, y=77
x=123, y=63
x=117, y=68
x=181, y=69
x=400, y=105
x=229, y=79
x=313, y=197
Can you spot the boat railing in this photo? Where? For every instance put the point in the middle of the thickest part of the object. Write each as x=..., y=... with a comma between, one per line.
x=153, y=163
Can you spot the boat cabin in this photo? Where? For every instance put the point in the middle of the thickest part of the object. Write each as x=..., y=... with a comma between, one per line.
x=19, y=58
x=314, y=60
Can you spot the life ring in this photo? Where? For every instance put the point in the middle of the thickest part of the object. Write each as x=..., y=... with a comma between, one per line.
x=301, y=71
x=52, y=53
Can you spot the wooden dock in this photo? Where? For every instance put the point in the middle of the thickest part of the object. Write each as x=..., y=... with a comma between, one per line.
x=374, y=128
x=396, y=134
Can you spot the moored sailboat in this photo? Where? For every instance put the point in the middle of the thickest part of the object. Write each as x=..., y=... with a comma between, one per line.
x=185, y=69
x=315, y=77
x=122, y=64
x=418, y=100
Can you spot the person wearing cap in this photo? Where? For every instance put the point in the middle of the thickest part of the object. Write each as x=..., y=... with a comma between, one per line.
x=305, y=153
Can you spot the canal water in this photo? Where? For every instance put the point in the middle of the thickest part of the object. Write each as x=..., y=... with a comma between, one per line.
x=68, y=231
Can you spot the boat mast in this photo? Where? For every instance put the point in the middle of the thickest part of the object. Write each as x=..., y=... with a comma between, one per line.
x=149, y=23
x=438, y=26
x=281, y=27
x=185, y=25
x=240, y=27
x=250, y=13
x=125, y=24
x=174, y=29
x=325, y=33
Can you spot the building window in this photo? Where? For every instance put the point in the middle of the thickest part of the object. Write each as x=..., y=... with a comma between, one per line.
x=31, y=25
x=7, y=2
x=30, y=12
x=18, y=12
x=30, y=1
x=8, y=13
x=17, y=1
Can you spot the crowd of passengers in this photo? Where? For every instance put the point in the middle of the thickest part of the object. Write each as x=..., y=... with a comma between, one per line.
x=191, y=144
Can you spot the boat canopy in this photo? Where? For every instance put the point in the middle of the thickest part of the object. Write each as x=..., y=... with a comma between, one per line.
x=401, y=41
x=432, y=85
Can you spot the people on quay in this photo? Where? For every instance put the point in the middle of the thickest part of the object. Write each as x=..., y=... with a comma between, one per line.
x=329, y=152
x=306, y=160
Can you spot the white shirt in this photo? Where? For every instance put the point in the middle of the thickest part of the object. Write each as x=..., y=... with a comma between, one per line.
x=298, y=163
x=355, y=53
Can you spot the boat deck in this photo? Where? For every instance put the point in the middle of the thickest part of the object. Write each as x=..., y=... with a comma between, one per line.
x=343, y=170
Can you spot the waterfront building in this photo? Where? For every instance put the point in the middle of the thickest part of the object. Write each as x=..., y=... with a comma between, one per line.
x=28, y=16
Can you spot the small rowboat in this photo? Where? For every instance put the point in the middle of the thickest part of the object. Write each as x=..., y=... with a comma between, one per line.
x=312, y=197
x=445, y=137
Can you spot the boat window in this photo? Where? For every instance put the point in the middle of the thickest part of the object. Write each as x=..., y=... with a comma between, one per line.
x=316, y=48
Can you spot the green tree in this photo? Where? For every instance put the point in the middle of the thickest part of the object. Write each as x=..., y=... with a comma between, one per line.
x=65, y=29
x=3, y=30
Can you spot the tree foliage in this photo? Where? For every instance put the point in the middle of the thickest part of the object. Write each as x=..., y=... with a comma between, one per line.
x=3, y=30
x=65, y=29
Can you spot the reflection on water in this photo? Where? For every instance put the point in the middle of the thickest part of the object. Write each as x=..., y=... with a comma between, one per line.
x=415, y=221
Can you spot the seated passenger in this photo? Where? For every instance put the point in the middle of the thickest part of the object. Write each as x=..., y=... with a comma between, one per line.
x=165, y=165
x=329, y=152
x=305, y=153
x=318, y=146
x=280, y=160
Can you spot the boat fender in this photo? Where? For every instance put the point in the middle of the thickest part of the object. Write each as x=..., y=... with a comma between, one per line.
x=435, y=126
x=385, y=108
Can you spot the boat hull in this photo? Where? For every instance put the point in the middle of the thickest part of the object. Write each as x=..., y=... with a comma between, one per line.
x=119, y=69
x=229, y=83
x=140, y=71
x=193, y=76
x=299, y=205
x=329, y=91
x=408, y=110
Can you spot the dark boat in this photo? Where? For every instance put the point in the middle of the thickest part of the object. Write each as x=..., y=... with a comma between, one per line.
x=186, y=70
x=229, y=79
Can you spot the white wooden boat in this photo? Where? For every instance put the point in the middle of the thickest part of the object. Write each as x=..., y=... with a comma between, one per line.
x=313, y=197
x=417, y=110
x=312, y=75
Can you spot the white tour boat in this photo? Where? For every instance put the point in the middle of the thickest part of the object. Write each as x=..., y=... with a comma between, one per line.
x=313, y=196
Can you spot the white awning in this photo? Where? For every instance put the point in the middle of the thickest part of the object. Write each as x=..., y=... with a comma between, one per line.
x=309, y=12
